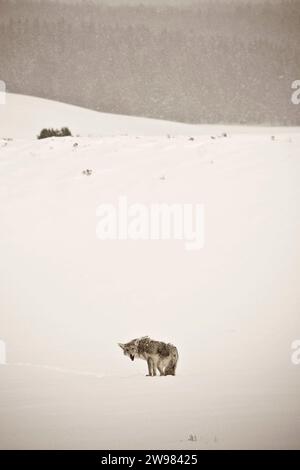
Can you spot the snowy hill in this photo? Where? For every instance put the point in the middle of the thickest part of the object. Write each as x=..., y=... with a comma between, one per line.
x=67, y=298
x=25, y=116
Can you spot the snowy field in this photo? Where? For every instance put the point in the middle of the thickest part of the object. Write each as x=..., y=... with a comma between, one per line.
x=67, y=298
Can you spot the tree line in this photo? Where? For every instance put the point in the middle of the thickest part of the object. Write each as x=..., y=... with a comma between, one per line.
x=214, y=62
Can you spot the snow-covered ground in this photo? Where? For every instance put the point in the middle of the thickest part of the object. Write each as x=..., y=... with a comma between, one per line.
x=67, y=298
x=25, y=116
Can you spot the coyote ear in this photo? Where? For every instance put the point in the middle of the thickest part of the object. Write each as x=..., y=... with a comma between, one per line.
x=121, y=345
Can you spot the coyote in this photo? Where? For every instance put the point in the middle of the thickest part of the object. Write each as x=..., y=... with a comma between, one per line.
x=158, y=355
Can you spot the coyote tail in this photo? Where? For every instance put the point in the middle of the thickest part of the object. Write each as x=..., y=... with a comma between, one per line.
x=171, y=367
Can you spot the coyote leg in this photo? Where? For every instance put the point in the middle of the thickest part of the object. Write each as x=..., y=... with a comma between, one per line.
x=151, y=369
x=161, y=371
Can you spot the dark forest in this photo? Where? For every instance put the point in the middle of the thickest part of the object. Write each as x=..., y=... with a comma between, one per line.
x=208, y=63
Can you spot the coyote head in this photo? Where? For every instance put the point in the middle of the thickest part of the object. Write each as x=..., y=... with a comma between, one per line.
x=130, y=349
